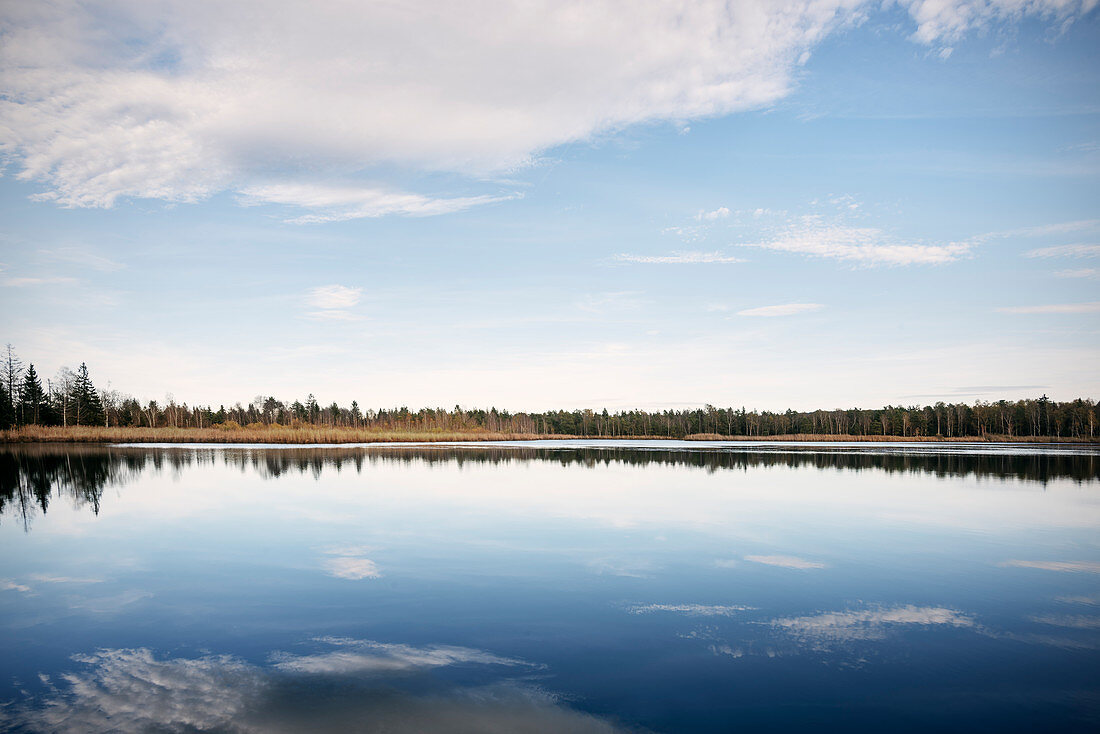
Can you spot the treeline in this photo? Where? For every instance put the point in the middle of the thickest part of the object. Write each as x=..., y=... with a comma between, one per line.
x=71, y=399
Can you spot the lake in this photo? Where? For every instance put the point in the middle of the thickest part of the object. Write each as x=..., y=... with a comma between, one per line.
x=550, y=586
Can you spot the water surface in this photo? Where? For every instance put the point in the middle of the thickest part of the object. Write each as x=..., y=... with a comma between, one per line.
x=550, y=586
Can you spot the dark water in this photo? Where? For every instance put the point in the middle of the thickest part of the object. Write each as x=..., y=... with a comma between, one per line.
x=546, y=587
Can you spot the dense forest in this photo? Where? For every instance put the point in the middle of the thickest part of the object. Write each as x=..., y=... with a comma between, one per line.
x=71, y=399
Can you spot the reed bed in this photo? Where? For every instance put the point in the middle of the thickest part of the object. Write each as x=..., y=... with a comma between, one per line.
x=277, y=434
x=246, y=434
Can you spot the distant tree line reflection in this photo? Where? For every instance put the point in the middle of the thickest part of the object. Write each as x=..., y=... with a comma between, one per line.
x=31, y=477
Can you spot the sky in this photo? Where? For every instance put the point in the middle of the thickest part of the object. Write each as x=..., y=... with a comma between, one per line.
x=543, y=205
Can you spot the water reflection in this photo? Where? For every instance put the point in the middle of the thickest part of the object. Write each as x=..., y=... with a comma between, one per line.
x=30, y=476
x=549, y=587
x=350, y=686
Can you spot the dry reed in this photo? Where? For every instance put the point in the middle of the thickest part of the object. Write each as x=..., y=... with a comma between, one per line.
x=277, y=434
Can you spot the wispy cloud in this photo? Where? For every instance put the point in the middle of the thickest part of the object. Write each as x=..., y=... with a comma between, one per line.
x=680, y=258
x=341, y=203
x=1054, y=308
x=333, y=315
x=9, y=585
x=1078, y=273
x=814, y=237
x=786, y=562
x=1078, y=251
x=334, y=297
x=784, y=309
x=1061, y=566
x=25, y=282
x=947, y=21
x=84, y=258
x=1046, y=230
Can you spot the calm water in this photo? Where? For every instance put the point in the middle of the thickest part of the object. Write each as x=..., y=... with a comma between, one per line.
x=554, y=586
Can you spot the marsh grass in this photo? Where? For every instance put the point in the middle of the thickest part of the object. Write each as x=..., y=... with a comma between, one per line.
x=255, y=433
x=305, y=434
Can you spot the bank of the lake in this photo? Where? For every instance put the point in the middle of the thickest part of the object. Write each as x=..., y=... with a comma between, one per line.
x=278, y=434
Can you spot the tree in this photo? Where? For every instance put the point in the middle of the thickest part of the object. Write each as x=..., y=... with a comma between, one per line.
x=63, y=398
x=13, y=371
x=87, y=407
x=32, y=400
x=7, y=415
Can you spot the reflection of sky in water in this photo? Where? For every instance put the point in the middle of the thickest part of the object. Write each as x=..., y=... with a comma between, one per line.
x=672, y=588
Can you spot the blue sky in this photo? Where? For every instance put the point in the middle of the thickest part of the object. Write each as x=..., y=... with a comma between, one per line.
x=823, y=204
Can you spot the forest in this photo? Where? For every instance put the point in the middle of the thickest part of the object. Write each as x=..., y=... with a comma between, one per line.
x=71, y=398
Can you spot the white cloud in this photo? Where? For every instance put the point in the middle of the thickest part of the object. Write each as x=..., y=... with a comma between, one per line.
x=24, y=282
x=1091, y=307
x=177, y=100
x=341, y=203
x=694, y=610
x=680, y=258
x=719, y=213
x=1044, y=230
x=785, y=309
x=865, y=245
x=1062, y=566
x=786, y=562
x=334, y=297
x=1079, y=273
x=180, y=99
x=870, y=624
x=945, y=21
x=1079, y=251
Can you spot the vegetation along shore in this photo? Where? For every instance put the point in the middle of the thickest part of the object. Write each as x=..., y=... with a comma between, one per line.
x=69, y=407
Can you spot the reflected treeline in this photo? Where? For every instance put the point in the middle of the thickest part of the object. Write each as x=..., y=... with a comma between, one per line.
x=33, y=476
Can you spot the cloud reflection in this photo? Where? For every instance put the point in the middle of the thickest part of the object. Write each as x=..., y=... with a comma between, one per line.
x=367, y=656
x=867, y=624
x=130, y=690
x=786, y=562
x=349, y=564
x=695, y=610
x=1063, y=566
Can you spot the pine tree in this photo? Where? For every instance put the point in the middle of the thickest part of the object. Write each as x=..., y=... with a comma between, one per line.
x=88, y=407
x=32, y=399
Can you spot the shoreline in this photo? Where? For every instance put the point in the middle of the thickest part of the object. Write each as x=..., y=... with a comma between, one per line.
x=335, y=436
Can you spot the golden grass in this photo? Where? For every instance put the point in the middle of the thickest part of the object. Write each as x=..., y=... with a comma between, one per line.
x=247, y=434
x=277, y=434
